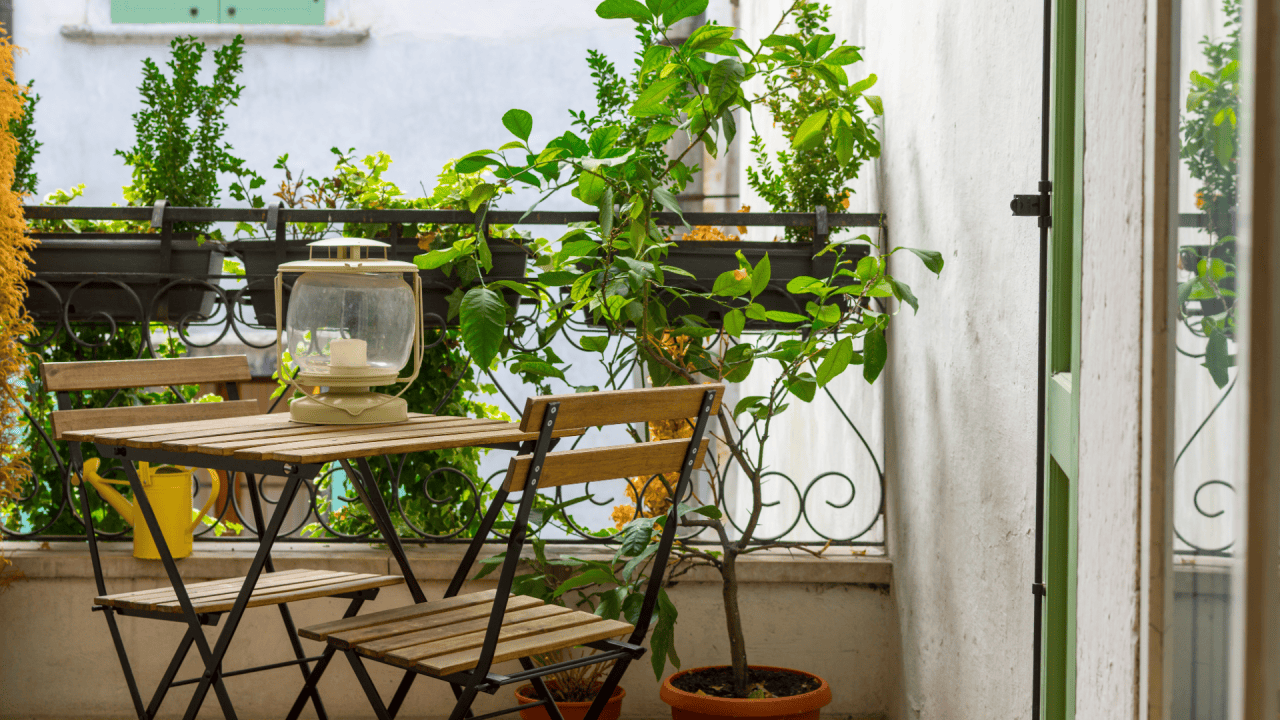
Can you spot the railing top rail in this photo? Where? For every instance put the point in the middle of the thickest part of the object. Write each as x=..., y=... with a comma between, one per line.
x=441, y=217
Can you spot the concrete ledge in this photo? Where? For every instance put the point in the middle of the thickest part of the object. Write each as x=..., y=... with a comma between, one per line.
x=253, y=34
x=63, y=560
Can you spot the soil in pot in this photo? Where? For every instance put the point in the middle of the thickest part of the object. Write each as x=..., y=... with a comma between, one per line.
x=525, y=694
x=718, y=681
x=709, y=695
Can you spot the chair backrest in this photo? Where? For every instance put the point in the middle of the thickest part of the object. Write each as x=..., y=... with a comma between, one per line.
x=67, y=377
x=540, y=467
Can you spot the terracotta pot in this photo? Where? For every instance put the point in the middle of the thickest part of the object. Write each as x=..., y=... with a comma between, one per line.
x=570, y=710
x=688, y=706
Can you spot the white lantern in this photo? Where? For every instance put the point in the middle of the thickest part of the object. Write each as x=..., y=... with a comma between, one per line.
x=352, y=324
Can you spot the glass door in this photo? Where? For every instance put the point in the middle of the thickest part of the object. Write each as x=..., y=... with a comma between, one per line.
x=1208, y=400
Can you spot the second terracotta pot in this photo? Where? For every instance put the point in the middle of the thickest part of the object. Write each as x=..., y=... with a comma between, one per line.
x=691, y=706
x=570, y=710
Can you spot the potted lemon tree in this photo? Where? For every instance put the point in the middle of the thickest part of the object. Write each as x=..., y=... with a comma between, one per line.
x=618, y=269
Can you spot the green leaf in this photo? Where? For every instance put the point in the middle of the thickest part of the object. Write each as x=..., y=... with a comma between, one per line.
x=603, y=139
x=804, y=284
x=729, y=285
x=484, y=321
x=932, y=259
x=654, y=58
x=681, y=9
x=594, y=576
x=836, y=361
x=436, y=258
x=591, y=186
x=810, y=131
x=668, y=201
x=635, y=536
x=473, y=163
x=595, y=343
x=610, y=605
x=534, y=367
x=651, y=100
x=875, y=351
x=490, y=564
x=785, y=317
x=843, y=55
x=636, y=561
x=706, y=37
x=660, y=133
x=803, y=387
x=903, y=293
x=778, y=41
x=877, y=105
x=1216, y=358
x=619, y=9
x=760, y=276
x=557, y=278
x=735, y=322
x=519, y=122
x=1224, y=145
x=747, y=403
x=724, y=80
x=863, y=84
x=480, y=195
x=662, y=641
x=844, y=144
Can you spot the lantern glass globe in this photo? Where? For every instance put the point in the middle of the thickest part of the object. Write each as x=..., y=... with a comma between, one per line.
x=351, y=325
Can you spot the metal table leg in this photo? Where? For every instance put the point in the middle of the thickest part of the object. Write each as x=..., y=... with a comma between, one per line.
x=367, y=489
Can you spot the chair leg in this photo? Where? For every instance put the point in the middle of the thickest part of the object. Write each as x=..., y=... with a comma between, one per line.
x=309, y=680
x=313, y=677
x=366, y=682
x=402, y=692
x=172, y=672
x=124, y=664
x=540, y=687
x=457, y=695
x=463, y=708
x=606, y=690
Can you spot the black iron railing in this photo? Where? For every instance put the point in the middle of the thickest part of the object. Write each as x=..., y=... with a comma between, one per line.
x=210, y=308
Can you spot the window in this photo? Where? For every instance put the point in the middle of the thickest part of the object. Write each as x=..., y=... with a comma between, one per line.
x=234, y=12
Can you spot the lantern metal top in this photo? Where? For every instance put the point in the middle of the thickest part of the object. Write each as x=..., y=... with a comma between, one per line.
x=348, y=255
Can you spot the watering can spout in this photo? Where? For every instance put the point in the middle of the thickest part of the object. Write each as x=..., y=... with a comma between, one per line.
x=108, y=493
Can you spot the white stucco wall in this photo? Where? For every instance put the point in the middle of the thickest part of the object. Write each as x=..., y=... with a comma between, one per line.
x=960, y=84
x=430, y=83
x=1108, y=487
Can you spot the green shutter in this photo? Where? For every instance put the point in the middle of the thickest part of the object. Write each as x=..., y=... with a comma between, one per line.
x=164, y=11
x=234, y=12
x=273, y=12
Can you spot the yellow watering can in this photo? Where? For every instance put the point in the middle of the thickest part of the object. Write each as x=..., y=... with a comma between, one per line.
x=168, y=487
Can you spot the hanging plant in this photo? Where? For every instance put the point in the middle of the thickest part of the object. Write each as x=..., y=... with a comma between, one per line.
x=15, y=249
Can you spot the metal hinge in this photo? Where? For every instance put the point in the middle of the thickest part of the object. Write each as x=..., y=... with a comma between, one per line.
x=1034, y=205
x=1039, y=589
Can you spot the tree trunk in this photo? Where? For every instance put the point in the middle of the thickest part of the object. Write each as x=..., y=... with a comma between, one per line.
x=733, y=621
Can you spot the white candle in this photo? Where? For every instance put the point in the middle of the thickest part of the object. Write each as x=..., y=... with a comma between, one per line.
x=348, y=353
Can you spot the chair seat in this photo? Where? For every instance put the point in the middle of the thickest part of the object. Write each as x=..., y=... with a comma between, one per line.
x=444, y=637
x=272, y=589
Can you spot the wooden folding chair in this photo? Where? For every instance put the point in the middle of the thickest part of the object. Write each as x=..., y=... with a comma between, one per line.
x=210, y=599
x=457, y=639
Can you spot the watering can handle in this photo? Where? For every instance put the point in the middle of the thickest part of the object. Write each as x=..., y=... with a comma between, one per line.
x=213, y=496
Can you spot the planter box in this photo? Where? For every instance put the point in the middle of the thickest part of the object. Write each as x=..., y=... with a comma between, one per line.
x=120, y=278
x=787, y=261
x=261, y=259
